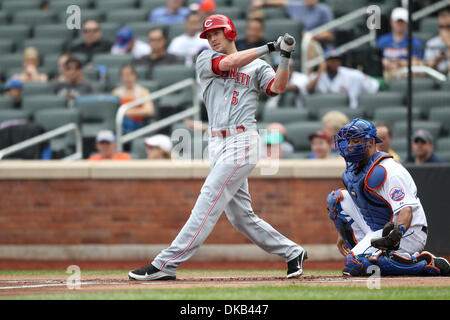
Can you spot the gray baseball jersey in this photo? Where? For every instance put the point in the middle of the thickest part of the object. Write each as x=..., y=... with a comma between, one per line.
x=231, y=99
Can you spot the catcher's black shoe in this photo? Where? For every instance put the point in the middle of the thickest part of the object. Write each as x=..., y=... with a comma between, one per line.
x=149, y=273
x=295, y=265
x=443, y=265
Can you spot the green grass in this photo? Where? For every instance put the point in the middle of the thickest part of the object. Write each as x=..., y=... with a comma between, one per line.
x=291, y=292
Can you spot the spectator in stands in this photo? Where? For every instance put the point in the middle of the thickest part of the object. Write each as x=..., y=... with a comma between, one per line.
x=189, y=44
x=321, y=145
x=285, y=144
x=74, y=85
x=62, y=59
x=334, y=78
x=173, y=13
x=158, y=146
x=135, y=118
x=106, y=145
x=332, y=121
x=297, y=84
x=126, y=43
x=437, y=49
x=92, y=41
x=157, y=37
x=30, y=67
x=385, y=134
x=254, y=35
x=423, y=148
x=13, y=88
x=395, y=45
x=203, y=8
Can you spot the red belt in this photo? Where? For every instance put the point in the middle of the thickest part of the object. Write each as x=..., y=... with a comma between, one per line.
x=227, y=132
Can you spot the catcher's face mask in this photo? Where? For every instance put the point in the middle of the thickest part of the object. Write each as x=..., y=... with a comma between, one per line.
x=352, y=140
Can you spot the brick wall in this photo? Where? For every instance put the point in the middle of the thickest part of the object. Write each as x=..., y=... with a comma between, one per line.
x=151, y=211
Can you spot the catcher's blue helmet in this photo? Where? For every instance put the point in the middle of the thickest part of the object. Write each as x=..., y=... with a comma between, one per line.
x=355, y=129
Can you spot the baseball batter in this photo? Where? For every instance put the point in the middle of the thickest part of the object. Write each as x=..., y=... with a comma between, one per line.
x=231, y=82
x=379, y=217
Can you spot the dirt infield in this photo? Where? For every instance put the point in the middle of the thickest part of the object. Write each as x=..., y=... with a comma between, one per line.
x=39, y=284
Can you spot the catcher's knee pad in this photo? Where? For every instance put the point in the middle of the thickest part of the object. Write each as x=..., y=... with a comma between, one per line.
x=394, y=264
x=339, y=219
x=357, y=265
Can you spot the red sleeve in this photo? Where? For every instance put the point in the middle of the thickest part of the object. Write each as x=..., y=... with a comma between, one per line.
x=215, y=65
x=270, y=93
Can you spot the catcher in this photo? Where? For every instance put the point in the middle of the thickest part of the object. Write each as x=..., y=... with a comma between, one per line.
x=379, y=218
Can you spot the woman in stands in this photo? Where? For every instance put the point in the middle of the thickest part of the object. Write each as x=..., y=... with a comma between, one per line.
x=30, y=67
x=129, y=91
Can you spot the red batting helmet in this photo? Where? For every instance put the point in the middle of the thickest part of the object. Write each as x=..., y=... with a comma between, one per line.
x=216, y=21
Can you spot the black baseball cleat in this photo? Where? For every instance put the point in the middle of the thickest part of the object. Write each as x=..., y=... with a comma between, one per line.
x=295, y=265
x=345, y=272
x=443, y=265
x=149, y=273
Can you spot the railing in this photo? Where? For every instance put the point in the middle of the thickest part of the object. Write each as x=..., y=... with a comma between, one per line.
x=423, y=69
x=370, y=37
x=47, y=136
x=307, y=37
x=192, y=111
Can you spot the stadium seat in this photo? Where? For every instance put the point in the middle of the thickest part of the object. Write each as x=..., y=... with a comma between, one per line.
x=392, y=114
x=317, y=101
x=243, y=4
x=441, y=114
x=6, y=102
x=232, y=12
x=34, y=88
x=13, y=114
x=138, y=149
x=149, y=5
x=240, y=25
x=434, y=127
x=53, y=31
x=113, y=76
x=275, y=12
x=285, y=115
x=34, y=103
x=369, y=102
x=445, y=86
x=176, y=30
x=50, y=119
x=349, y=112
x=427, y=100
x=141, y=29
x=342, y=7
x=423, y=37
x=98, y=112
x=10, y=61
x=443, y=155
x=124, y=16
x=45, y=45
x=109, y=5
x=87, y=14
x=4, y=16
x=62, y=5
x=33, y=17
x=109, y=29
x=442, y=144
x=6, y=46
x=399, y=144
x=20, y=5
x=91, y=74
x=111, y=61
x=298, y=133
x=429, y=25
x=15, y=32
x=418, y=84
x=296, y=155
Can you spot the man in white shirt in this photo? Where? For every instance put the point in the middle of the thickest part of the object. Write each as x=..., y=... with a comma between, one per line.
x=333, y=78
x=126, y=43
x=189, y=44
x=437, y=50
